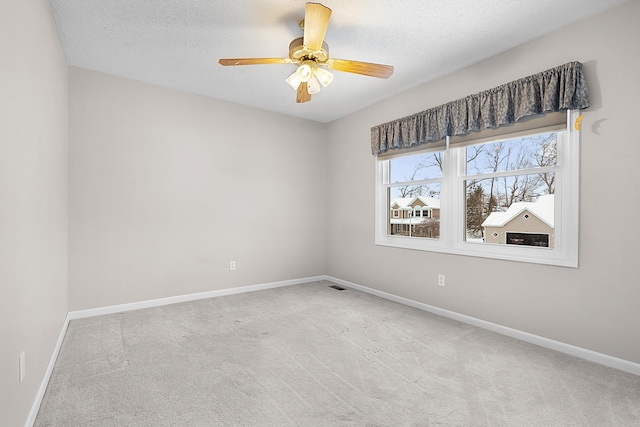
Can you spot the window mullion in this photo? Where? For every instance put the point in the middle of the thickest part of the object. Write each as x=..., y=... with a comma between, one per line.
x=450, y=199
x=419, y=182
x=512, y=172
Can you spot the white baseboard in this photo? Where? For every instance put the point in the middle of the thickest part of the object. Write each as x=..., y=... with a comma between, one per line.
x=144, y=304
x=80, y=314
x=603, y=359
x=47, y=374
x=583, y=353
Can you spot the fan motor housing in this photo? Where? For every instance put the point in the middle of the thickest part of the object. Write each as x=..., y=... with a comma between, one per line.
x=299, y=52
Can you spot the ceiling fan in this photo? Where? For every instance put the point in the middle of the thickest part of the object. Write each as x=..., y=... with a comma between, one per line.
x=311, y=54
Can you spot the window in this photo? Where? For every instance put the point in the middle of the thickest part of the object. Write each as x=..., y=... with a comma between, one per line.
x=414, y=191
x=509, y=193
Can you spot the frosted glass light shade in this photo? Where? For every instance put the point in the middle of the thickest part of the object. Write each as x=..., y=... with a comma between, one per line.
x=313, y=86
x=324, y=77
x=304, y=73
x=294, y=81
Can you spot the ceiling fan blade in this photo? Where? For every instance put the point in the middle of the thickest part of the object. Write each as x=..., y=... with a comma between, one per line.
x=364, y=68
x=253, y=61
x=316, y=21
x=303, y=94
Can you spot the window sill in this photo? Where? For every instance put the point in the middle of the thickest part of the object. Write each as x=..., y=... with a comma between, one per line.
x=546, y=256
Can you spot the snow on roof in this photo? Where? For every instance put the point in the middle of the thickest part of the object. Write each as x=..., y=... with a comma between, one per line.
x=408, y=221
x=406, y=202
x=541, y=208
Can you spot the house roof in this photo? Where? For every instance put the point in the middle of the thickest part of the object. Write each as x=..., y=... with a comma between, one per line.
x=541, y=208
x=408, y=221
x=406, y=202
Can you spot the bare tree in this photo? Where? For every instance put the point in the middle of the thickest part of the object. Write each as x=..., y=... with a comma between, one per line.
x=496, y=157
x=435, y=159
x=412, y=190
x=473, y=152
x=521, y=188
x=426, y=162
x=547, y=155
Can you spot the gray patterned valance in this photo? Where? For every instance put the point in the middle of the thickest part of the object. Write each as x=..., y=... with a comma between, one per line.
x=557, y=89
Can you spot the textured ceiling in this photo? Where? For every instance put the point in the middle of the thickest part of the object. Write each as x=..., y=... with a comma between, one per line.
x=177, y=43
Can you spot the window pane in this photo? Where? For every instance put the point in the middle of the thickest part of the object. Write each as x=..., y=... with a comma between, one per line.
x=414, y=211
x=516, y=210
x=416, y=168
x=520, y=153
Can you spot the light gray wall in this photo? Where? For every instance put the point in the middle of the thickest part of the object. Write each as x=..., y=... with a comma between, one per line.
x=33, y=199
x=594, y=306
x=167, y=187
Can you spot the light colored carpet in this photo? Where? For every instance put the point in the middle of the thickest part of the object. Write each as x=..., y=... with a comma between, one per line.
x=310, y=355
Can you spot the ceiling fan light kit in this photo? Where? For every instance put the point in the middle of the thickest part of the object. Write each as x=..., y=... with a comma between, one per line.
x=311, y=73
x=310, y=53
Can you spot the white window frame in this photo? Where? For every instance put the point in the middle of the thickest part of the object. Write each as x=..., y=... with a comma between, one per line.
x=452, y=209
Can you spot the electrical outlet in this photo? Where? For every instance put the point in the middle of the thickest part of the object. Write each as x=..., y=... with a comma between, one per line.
x=23, y=367
x=440, y=279
x=232, y=265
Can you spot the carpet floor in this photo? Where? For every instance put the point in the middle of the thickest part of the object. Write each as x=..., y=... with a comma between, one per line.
x=310, y=355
